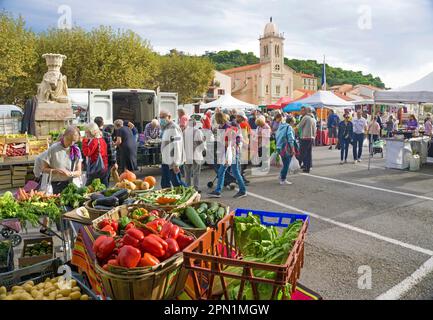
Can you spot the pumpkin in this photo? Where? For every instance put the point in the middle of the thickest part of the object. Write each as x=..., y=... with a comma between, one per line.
x=144, y=185
x=151, y=181
x=128, y=175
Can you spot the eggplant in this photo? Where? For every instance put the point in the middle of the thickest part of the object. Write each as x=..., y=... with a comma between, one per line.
x=96, y=196
x=106, y=201
x=122, y=195
x=105, y=208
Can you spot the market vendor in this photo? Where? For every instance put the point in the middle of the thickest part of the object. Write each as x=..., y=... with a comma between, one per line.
x=152, y=130
x=412, y=124
x=63, y=160
x=127, y=146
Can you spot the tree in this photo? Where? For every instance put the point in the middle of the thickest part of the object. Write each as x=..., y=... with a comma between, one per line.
x=101, y=58
x=17, y=60
x=189, y=76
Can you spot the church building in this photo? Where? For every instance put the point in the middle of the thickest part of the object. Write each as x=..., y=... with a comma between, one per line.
x=265, y=82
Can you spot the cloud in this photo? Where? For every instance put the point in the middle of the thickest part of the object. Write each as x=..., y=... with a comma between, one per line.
x=398, y=47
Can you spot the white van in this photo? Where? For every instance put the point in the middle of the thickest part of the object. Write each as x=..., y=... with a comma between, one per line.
x=10, y=119
x=139, y=106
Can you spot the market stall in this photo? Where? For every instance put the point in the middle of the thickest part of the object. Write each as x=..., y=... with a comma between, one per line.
x=409, y=144
x=227, y=102
x=145, y=243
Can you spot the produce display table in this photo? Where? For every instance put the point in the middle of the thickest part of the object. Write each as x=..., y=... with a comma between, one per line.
x=149, y=155
x=398, y=151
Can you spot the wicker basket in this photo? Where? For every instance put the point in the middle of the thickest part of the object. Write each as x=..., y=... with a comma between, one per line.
x=165, y=281
x=93, y=213
x=199, y=231
x=124, y=211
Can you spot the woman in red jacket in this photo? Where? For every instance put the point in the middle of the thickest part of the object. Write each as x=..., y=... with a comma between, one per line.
x=94, y=146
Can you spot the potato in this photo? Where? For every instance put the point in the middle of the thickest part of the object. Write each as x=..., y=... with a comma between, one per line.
x=15, y=288
x=26, y=296
x=73, y=283
x=75, y=295
x=49, y=290
x=35, y=293
x=3, y=290
x=58, y=296
x=76, y=289
x=65, y=292
x=84, y=297
x=64, y=298
x=28, y=287
x=3, y=296
x=48, y=285
x=52, y=296
x=10, y=297
x=40, y=286
x=31, y=283
x=19, y=291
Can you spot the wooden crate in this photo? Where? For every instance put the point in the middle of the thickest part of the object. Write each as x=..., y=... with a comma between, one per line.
x=28, y=261
x=5, y=186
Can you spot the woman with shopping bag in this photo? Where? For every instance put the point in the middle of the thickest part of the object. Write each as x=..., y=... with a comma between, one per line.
x=285, y=138
x=95, y=151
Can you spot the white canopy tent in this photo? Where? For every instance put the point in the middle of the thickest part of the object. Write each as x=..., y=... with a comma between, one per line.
x=420, y=91
x=323, y=99
x=228, y=102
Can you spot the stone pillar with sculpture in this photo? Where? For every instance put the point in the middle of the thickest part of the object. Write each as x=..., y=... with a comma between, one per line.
x=54, y=107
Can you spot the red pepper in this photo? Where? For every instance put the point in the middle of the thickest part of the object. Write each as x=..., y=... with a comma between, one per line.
x=130, y=226
x=129, y=257
x=156, y=224
x=113, y=262
x=109, y=229
x=173, y=248
x=148, y=261
x=103, y=223
x=103, y=247
x=154, y=213
x=129, y=240
x=115, y=225
x=184, y=241
x=169, y=230
x=137, y=234
x=154, y=245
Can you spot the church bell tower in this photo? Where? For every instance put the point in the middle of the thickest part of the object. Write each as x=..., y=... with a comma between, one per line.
x=272, y=47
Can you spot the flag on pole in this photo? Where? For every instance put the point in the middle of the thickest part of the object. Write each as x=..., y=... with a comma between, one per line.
x=324, y=75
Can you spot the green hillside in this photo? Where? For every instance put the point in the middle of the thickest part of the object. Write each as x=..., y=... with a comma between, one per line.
x=230, y=59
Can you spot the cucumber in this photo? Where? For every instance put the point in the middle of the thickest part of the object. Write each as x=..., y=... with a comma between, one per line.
x=220, y=213
x=194, y=218
x=213, y=208
x=202, y=208
x=181, y=223
x=203, y=216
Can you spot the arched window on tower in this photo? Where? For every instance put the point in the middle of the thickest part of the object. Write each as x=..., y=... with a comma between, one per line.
x=277, y=67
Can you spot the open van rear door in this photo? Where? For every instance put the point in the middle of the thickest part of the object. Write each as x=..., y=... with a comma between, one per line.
x=101, y=105
x=168, y=101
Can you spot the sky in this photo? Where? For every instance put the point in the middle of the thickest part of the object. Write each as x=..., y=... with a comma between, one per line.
x=392, y=39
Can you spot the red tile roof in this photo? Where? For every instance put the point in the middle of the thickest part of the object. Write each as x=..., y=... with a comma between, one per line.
x=342, y=96
x=243, y=68
x=304, y=75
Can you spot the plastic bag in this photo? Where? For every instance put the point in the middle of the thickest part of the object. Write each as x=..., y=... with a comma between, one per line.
x=294, y=165
x=275, y=160
x=80, y=181
x=46, y=183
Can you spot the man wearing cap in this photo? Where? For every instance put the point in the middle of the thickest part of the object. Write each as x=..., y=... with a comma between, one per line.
x=307, y=133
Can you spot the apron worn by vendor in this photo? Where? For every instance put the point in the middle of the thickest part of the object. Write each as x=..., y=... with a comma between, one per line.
x=61, y=157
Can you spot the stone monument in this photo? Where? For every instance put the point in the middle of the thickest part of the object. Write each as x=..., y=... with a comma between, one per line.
x=53, y=102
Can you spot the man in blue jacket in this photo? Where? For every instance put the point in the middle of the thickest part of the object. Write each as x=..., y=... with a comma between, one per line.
x=345, y=136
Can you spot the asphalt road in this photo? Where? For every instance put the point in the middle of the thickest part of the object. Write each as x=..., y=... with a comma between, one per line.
x=363, y=221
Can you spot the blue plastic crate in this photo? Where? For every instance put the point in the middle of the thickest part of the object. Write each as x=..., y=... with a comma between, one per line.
x=276, y=219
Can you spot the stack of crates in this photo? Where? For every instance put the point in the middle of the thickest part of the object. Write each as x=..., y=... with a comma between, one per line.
x=5, y=179
x=19, y=174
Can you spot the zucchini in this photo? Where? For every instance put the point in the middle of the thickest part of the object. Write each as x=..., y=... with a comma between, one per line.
x=213, y=208
x=181, y=223
x=194, y=218
x=210, y=221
